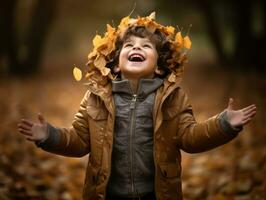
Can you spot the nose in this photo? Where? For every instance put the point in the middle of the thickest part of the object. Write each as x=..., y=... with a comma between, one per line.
x=136, y=47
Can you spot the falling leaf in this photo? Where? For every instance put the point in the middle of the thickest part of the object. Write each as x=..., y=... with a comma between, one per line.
x=187, y=42
x=77, y=73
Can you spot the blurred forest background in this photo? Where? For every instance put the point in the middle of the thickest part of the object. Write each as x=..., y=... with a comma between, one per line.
x=42, y=40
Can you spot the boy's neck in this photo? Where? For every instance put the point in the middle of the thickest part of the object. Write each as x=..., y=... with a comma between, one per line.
x=134, y=82
x=134, y=85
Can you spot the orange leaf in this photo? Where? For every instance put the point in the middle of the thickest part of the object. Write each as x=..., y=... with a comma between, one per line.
x=124, y=23
x=179, y=38
x=110, y=30
x=170, y=30
x=187, y=42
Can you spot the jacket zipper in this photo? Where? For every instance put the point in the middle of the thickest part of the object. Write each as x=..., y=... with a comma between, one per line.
x=132, y=132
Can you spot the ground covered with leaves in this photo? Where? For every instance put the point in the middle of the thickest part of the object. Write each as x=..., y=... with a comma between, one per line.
x=235, y=171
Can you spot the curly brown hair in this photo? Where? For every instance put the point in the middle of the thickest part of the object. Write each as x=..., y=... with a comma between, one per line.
x=158, y=38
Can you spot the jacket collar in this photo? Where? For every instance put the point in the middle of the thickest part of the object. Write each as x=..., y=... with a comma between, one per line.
x=146, y=86
x=103, y=89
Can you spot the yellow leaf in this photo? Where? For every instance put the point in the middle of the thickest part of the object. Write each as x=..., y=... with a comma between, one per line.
x=97, y=40
x=172, y=78
x=100, y=63
x=77, y=73
x=187, y=42
x=124, y=23
x=92, y=54
x=125, y=20
x=105, y=71
x=107, y=46
x=110, y=30
x=179, y=38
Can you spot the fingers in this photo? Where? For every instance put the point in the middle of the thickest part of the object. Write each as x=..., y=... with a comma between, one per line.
x=41, y=118
x=230, y=104
x=24, y=126
x=246, y=121
x=30, y=138
x=249, y=115
x=29, y=123
x=249, y=111
x=25, y=132
x=249, y=108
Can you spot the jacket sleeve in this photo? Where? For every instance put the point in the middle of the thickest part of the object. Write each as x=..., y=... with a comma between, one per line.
x=196, y=137
x=73, y=141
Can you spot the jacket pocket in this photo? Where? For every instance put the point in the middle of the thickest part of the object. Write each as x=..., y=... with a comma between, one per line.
x=97, y=113
x=170, y=182
x=170, y=112
x=97, y=128
x=170, y=170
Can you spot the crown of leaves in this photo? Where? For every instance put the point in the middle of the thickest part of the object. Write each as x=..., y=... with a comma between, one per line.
x=105, y=45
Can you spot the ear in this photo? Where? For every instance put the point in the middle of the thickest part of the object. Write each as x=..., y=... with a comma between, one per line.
x=158, y=71
x=117, y=69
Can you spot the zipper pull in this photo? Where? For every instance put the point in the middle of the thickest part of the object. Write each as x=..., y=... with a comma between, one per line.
x=133, y=101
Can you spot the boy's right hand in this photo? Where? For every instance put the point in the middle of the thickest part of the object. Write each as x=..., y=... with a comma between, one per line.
x=34, y=131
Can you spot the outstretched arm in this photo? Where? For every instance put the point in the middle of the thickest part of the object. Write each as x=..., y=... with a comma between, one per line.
x=73, y=141
x=198, y=137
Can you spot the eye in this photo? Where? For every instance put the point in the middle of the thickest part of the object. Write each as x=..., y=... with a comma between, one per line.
x=128, y=45
x=147, y=46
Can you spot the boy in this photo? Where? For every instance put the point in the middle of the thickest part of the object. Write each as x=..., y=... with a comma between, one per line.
x=135, y=118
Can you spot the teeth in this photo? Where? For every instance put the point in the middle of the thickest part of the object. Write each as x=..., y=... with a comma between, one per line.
x=136, y=57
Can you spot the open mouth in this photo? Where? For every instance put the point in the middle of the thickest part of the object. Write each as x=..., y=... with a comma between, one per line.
x=135, y=57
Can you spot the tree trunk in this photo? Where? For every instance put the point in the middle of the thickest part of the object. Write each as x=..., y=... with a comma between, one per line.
x=42, y=18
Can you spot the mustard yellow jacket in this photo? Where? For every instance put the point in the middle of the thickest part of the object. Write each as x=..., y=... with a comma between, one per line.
x=174, y=129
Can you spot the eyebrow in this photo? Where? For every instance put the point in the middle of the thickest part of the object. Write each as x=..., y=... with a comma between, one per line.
x=145, y=40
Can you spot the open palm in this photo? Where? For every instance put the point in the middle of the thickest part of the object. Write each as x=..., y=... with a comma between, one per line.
x=239, y=117
x=33, y=131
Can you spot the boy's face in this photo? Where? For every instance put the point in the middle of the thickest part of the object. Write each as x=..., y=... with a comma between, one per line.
x=138, y=58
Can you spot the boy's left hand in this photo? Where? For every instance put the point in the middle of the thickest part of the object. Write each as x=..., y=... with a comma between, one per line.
x=239, y=117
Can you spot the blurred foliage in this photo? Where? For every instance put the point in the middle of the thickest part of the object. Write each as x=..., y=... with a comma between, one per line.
x=33, y=32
